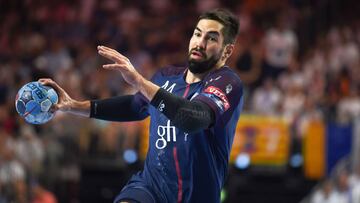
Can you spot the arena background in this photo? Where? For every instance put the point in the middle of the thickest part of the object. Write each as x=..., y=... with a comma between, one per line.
x=297, y=138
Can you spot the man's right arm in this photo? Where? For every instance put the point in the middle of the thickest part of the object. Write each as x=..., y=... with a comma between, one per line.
x=121, y=108
x=80, y=108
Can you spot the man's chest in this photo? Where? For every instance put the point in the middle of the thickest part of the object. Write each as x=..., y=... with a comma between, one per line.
x=163, y=132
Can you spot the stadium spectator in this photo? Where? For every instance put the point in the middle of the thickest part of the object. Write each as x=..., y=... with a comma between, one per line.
x=325, y=194
x=12, y=172
x=280, y=44
x=267, y=99
x=348, y=107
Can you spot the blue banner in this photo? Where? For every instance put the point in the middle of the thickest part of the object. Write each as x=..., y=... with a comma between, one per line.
x=338, y=143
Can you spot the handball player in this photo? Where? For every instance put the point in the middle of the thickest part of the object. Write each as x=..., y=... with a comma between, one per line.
x=194, y=111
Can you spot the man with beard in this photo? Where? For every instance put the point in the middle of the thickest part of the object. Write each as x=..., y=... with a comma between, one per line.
x=194, y=111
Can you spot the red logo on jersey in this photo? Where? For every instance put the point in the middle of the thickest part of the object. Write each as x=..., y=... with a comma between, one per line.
x=217, y=92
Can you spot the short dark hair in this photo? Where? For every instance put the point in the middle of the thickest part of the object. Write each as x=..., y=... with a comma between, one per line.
x=227, y=19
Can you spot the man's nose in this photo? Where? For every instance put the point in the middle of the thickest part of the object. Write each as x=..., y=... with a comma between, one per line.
x=201, y=43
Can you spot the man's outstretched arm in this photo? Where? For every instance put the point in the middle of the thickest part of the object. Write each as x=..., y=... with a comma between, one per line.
x=66, y=103
x=121, y=108
x=186, y=115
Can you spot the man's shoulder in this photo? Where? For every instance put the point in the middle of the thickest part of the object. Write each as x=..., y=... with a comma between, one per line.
x=224, y=73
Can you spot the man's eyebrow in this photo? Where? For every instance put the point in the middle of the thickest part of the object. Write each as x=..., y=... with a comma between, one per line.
x=210, y=32
x=214, y=33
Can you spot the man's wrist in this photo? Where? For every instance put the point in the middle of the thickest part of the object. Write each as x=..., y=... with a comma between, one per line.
x=147, y=88
x=140, y=83
x=79, y=108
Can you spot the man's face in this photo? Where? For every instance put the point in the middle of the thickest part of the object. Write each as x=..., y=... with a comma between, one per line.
x=206, y=46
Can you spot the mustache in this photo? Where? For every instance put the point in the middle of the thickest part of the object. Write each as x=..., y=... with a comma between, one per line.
x=198, y=50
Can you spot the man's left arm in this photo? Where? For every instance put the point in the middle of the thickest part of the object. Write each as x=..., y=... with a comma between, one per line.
x=189, y=116
x=186, y=115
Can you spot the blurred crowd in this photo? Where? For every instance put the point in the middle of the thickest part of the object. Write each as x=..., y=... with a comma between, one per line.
x=296, y=60
x=342, y=187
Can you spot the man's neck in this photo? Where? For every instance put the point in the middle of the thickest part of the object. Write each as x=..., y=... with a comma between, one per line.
x=193, y=78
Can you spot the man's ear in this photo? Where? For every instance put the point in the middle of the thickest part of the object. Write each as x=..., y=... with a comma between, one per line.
x=229, y=48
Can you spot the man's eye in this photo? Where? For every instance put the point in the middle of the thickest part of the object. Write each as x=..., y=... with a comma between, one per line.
x=213, y=39
x=197, y=34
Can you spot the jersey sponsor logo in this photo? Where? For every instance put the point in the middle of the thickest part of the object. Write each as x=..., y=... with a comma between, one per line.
x=170, y=88
x=167, y=134
x=220, y=94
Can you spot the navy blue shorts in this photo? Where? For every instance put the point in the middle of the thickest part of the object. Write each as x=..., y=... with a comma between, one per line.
x=136, y=194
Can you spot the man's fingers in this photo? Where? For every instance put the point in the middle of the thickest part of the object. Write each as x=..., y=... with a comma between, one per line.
x=43, y=80
x=111, y=54
x=54, y=108
x=113, y=66
x=50, y=82
x=107, y=49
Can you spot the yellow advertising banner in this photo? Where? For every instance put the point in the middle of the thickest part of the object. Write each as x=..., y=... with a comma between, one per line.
x=265, y=139
x=314, y=149
x=144, y=138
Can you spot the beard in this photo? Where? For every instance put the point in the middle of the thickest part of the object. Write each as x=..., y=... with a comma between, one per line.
x=202, y=66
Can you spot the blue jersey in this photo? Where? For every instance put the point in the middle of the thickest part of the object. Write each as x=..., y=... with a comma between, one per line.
x=190, y=167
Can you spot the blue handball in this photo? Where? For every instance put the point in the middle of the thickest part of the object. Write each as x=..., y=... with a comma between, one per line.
x=34, y=101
